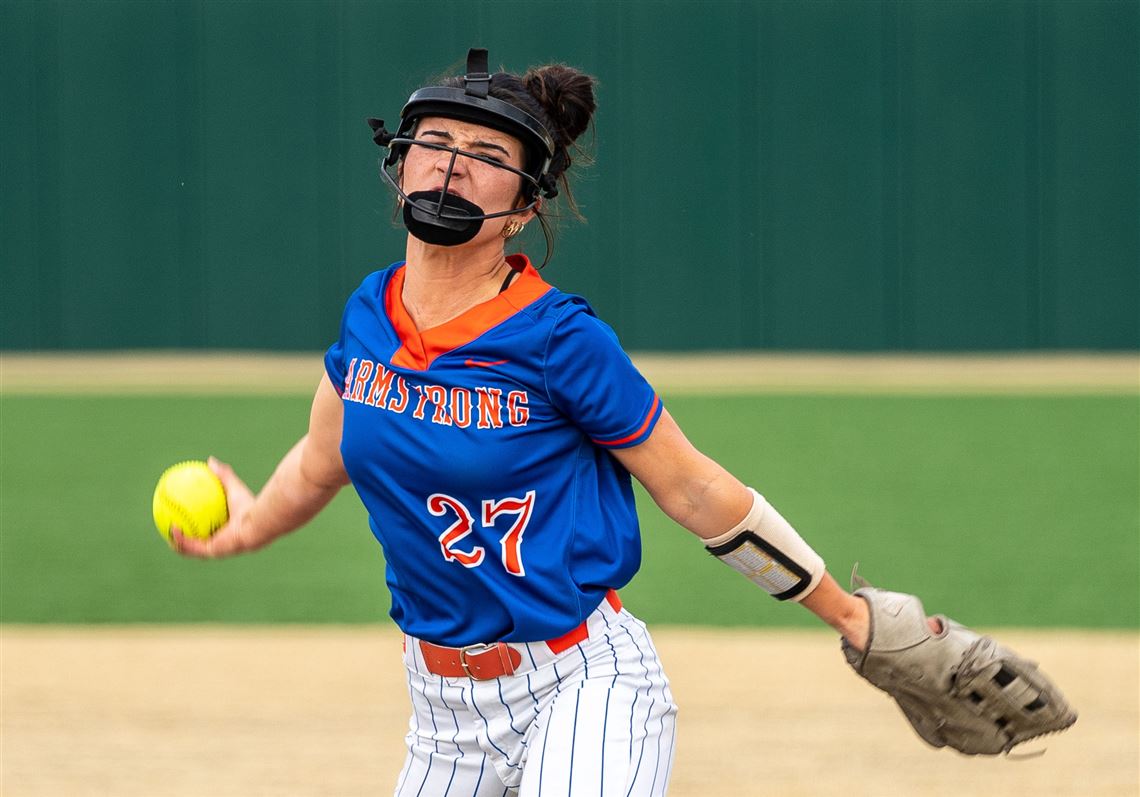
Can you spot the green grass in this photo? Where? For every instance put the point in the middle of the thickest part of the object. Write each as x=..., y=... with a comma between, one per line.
x=1006, y=510
x=996, y=510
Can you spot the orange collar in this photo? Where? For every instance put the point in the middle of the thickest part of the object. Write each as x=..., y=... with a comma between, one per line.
x=420, y=349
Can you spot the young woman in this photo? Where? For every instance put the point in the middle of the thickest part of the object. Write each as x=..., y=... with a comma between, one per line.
x=490, y=424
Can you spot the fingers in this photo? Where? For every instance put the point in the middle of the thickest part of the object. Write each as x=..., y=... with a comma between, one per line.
x=191, y=547
x=219, y=468
x=228, y=539
x=224, y=473
x=224, y=542
x=238, y=495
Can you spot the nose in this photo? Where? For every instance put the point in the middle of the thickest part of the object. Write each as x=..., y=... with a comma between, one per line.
x=449, y=159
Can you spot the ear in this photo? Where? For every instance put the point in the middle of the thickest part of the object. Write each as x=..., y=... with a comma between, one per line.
x=530, y=214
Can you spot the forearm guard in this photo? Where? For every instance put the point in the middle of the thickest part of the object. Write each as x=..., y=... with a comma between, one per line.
x=768, y=552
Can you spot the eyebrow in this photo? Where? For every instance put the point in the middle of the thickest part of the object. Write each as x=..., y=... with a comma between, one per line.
x=477, y=143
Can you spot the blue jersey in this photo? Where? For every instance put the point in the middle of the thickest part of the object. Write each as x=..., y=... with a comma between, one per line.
x=479, y=448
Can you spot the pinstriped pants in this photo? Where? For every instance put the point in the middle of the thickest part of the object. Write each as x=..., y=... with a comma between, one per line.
x=597, y=719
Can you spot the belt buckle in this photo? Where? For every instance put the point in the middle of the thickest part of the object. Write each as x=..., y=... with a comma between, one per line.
x=480, y=647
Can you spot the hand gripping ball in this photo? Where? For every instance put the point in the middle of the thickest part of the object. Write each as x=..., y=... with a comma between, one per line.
x=190, y=497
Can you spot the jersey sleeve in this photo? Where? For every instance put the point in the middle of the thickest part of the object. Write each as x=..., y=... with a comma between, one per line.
x=363, y=300
x=592, y=381
x=334, y=360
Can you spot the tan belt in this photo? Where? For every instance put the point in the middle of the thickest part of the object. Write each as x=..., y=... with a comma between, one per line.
x=486, y=662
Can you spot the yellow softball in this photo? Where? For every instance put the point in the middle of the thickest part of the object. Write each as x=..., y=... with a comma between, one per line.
x=190, y=497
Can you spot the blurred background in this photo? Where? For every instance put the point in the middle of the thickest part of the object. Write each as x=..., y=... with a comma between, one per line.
x=942, y=191
x=861, y=178
x=849, y=176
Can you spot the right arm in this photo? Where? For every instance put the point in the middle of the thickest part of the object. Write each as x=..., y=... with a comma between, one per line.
x=304, y=482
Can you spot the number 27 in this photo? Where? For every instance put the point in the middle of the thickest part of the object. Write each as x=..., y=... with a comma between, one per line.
x=439, y=504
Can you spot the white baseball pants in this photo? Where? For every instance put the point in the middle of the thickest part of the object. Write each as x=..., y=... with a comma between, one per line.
x=597, y=720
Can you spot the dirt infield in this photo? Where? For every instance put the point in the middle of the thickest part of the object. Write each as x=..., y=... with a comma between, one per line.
x=322, y=711
x=179, y=372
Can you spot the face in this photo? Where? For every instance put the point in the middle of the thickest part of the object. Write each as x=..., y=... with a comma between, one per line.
x=484, y=184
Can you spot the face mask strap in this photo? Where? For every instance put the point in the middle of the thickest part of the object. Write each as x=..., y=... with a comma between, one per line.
x=477, y=81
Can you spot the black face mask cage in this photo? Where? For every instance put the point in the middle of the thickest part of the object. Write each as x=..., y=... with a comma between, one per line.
x=471, y=104
x=531, y=186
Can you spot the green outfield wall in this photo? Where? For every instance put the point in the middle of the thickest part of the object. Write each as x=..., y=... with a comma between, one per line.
x=802, y=175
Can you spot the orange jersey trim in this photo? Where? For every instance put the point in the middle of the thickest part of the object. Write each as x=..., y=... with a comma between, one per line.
x=640, y=430
x=420, y=349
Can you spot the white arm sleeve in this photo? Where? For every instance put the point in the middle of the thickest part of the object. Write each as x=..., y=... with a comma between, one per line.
x=767, y=551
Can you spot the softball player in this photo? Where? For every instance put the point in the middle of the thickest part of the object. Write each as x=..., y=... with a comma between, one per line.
x=490, y=424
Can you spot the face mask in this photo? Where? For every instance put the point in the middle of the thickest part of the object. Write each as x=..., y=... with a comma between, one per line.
x=446, y=226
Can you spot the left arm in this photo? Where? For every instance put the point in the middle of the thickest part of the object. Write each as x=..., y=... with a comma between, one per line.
x=957, y=688
x=703, y=497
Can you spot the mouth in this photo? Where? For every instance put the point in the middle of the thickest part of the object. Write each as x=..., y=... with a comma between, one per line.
x=450, y=191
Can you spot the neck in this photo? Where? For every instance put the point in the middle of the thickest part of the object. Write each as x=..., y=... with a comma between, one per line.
x=442, y=282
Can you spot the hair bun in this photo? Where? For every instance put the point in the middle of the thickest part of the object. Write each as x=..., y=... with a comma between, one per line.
x=566, y=95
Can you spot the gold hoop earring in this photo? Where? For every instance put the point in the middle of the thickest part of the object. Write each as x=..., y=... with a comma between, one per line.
x=512, y=228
